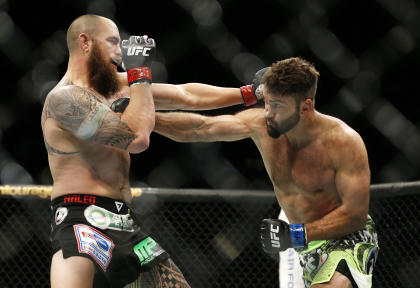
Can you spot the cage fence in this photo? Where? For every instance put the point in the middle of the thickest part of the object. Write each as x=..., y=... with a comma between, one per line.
x=212, y=235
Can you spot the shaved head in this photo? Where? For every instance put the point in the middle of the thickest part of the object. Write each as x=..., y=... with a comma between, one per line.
x=88, y=24
x=94, y=47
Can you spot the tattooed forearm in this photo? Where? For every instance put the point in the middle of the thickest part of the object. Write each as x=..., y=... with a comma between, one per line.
x=79, y=111
x=112, y=131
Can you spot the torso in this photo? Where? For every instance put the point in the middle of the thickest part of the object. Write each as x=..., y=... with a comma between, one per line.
x=78, y=166
x=303, y=178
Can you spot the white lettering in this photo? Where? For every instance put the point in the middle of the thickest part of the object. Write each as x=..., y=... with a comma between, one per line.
x=275, y=230
x=145, y=50
x=290, y=263
x=131, y=51
x=137, y=50
x=275, y=243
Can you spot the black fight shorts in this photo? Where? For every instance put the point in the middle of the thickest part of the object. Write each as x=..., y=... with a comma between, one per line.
x=103, y=230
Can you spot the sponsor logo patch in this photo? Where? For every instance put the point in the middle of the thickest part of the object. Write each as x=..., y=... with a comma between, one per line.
x=147, y=250
x=104, y=219
x=97, y=245
x=60, y=215
x=119, y=205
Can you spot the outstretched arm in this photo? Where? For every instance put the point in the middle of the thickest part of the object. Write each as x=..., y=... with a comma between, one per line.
x=192, y=127
x=197, y=96
x=194, y=96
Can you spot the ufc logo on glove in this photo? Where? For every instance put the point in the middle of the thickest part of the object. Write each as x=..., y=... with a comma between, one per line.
x=137, y=50
x=273, y=235
x=277, y=235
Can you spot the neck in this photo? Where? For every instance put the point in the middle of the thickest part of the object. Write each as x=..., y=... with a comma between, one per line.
x=77, y=70
x=304, y=132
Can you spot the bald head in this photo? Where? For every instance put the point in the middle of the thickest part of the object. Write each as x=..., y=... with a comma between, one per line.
x=88, y=24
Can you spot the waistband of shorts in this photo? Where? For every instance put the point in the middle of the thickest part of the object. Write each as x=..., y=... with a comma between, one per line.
x=113, y=205
x=312, y=246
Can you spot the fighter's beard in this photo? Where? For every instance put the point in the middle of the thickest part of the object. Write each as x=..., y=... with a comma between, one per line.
x=275, y=130
x=102, y=75
x=272, y=132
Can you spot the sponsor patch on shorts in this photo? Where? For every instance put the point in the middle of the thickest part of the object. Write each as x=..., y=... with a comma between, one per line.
x=94, y=243
x=60, y=215
x=147, y=250
x=104, y=219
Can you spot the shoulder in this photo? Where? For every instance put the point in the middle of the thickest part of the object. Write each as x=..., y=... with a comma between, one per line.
x=337, y=132
x=254, y=120
x=68, y=91
x=72, y=102
x=343, y=142
x=71, y=95
x=252, y=115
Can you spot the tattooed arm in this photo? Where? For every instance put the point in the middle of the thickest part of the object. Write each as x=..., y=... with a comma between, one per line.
x=79, y=111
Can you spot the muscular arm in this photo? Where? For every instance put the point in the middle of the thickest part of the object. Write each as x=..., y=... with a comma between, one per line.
x=194, y=96
x=191, y=127
x=79, y=111
x=353, y=185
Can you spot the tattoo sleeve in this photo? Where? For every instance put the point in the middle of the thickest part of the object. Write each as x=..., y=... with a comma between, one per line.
x=79, y=111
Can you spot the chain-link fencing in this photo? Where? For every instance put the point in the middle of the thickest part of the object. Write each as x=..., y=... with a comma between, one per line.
x=212, y=235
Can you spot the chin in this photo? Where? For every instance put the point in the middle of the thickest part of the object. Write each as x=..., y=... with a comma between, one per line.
x=272, y=132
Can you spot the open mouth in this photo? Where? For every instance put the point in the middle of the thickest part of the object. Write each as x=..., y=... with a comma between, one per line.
x=115, y=63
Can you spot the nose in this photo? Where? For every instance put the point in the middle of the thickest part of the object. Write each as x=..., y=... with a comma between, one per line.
x=118, y=52
x=268, y=111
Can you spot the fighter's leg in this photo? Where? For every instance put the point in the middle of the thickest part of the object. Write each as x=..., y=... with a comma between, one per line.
x=338, y=280
x=167, y=274
x=72, y=272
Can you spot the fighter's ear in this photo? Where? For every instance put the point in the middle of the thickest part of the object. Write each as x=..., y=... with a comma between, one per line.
x=84, y=42
x=308, y=104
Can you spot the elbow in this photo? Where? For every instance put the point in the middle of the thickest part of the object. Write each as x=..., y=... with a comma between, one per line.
x=186, y=99
x=192, y=103
x=358, y=221
x=140, y=144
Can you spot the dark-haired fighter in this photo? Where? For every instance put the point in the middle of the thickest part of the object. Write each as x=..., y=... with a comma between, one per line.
x=318, y=166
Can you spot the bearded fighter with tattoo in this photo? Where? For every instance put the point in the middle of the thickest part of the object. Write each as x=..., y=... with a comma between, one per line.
x=88, y=148
x=90, y=128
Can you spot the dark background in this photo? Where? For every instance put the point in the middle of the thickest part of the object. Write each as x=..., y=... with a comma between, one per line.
x=367, y=53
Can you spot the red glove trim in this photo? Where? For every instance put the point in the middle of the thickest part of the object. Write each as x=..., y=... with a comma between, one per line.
x=248, y=95
x=139, y=74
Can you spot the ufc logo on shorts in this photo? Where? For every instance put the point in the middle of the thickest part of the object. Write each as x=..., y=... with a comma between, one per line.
x=137, y=50
x=273, y=235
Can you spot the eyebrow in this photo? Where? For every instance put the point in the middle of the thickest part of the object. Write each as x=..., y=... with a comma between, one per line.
x=277, y=101
x=114, y=38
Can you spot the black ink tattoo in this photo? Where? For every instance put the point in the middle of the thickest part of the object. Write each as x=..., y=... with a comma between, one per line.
x=79, y=110
x=52, y=150
x=167, y=274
